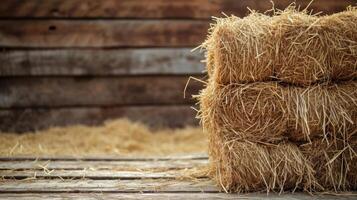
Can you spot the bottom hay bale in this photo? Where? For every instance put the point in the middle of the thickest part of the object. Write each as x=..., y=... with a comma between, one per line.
x=249, y=167
x=334, y=163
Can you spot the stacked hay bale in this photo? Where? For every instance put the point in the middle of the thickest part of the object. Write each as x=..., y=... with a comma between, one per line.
x=280, y=106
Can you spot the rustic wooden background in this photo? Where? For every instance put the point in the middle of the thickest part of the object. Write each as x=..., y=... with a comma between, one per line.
x=83, y=61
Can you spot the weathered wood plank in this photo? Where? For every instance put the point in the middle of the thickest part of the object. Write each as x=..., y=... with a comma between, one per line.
x=91, y=174
x=193, y=156
x=101, y=165
x=155, y=9
x=75, y=62
x=139, y=185
x=22, y=92
x=119, y=196
x=102, y=33
x=21, y=120
x=175, y=196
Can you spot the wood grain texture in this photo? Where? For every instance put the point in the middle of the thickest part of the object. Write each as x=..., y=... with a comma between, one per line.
x=21, y=120
x=74, y=62
x=92, y=174
x=137, y=186
x=191, y=156
x=120, y=196
x=140, y=185
x=198, y=9
x=175, y=196
x=23, y=92
x=99, y=178
x=102, y=33
x=102, y=165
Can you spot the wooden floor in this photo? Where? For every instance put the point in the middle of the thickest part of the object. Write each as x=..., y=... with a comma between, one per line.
x=117, y=178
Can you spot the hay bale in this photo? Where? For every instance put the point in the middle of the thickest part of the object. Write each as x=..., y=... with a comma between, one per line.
x=301, y=48
x=240, y=49
x=242, y=166
x=245, y=166
x=313, y=49
x=254, y=112
x=322, y=111
x=269, y=112
x=341, y=38
x=256, y=123
x=291, y=46
x=334, y=162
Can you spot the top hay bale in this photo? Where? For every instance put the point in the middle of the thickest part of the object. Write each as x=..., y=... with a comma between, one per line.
x=291, y=46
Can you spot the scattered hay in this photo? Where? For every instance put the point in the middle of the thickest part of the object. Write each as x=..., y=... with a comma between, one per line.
x=270, y=113
x=290, y=46
x=119, y=137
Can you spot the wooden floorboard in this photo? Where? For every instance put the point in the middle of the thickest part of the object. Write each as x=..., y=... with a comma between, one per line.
x=120, y=178
x=78, y=165
x=88, y=185
x=172, y=196
x=93, y=174
x=196, y=156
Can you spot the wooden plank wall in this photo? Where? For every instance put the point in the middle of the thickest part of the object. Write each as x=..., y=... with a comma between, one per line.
x=80, y=61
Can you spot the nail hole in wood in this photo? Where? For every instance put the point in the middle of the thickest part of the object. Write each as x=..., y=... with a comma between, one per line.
x=52, y=28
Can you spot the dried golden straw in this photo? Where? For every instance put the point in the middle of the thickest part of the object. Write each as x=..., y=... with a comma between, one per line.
x=334, y=163
x=270, y=113
x=120, y=137
x=245, y=166
x=265, y=131
x=290, y=46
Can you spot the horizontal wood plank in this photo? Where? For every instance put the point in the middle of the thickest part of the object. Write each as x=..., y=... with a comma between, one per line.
x=139, y=185
x=119, y=196
x=92, y=174
x=23, y=92
x=100, y=165
x=199, y=9
x=191, y=156
x=27, y=119
x=102, y=33
x=176, y=196
x=76, y=62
